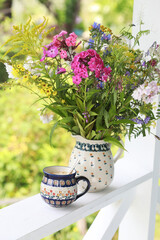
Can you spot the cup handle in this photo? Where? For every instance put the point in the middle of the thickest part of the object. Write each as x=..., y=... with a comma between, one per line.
x=87, y=188
x=119, y=153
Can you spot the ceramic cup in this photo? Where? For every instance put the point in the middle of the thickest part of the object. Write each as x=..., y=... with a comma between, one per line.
x=59, y=187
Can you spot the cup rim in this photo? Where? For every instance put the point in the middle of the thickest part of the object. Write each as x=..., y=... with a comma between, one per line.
x=54, y=175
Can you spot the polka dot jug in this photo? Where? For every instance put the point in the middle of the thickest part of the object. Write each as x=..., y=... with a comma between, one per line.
x=94, y=161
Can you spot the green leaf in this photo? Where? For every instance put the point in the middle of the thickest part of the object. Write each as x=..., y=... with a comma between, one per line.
x=93, y=134
x=3, y=73
x=131, y=130
x=114, y=97
x=90, y=105
x=56, y=110
x=114, y=141
x=91, y=93
x=52, y=130
x=89, y=124
x=80, y=105
x=106, y=118
x=99, y=121
x=80, y=117
x=76, y=130
x=82, y=132
x=93, y=114
x=112, y=111
x=121, y=122
x=66, y=120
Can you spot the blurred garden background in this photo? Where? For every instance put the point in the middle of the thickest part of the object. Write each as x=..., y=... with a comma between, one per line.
x=24, y=140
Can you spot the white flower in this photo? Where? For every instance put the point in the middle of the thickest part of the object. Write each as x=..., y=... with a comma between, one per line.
x=28, y=64
x=138, y=93
x=146, y=92
x=9, y=69
x=45, y=118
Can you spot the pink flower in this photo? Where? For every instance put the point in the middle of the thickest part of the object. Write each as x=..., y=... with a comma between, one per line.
x=62, y=33
x=90, y=60
x=81, y=72
x=84, y=54
x=92, y=52
x=73, y=35
x=63, y=54
x=56, y=42
x=77, y=80
x=106, y=73
x=52, y=52
x=153, y=62
x=70, y=41
x=44, y=55
x=61, y=70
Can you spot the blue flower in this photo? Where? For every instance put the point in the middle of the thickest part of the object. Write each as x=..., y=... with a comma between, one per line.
x=106, y=37
x=100, y=85
x=119, y=117
x=106, y=52
x=90, y=43
x=96, y=25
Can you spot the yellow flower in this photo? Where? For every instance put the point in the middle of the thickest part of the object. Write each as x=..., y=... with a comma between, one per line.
x=25, y=78
x=133, y=66
x=102, y=28
x=22, y=69
x=15, y=72
x=19, y=66
x=42, y=91
x=90, y=28
x=54, y=93
x=34, y=77
x=63, y=101
x=48, y=91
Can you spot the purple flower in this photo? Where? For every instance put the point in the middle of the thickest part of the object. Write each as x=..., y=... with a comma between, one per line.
x=127, y=73
x=137, y=120
x=86, y=116
x=144, y=64
x=146, y=120
x=140, y=121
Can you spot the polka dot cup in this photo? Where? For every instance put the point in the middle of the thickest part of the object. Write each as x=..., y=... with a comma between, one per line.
x=59, y=187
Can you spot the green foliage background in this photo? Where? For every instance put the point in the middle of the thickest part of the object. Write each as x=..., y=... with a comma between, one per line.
x=24, y=145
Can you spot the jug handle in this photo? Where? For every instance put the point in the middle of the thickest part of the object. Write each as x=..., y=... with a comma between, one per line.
x=118, y=153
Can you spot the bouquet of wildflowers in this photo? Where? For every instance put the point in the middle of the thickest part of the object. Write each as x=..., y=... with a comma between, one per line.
x=101, y=88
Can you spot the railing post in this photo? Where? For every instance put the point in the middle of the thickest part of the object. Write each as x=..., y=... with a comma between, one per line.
x=139, y=222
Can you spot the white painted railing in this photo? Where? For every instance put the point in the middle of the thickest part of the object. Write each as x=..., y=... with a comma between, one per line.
x=34, y=219
x=131, y=189
x=129, y=203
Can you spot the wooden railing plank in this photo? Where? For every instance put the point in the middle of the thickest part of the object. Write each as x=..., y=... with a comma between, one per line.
x=108, y=219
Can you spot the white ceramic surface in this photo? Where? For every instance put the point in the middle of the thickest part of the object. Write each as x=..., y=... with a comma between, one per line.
x=95, y=161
